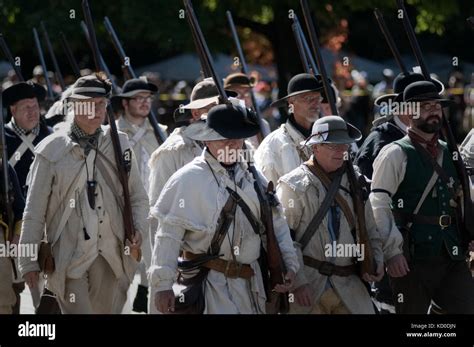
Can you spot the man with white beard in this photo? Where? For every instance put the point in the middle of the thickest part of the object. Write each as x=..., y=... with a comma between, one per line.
x=281, y=152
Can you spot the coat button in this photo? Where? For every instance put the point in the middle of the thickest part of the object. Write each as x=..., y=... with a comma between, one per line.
x=429, y=237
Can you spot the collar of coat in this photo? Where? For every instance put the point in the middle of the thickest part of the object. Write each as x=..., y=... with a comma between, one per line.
x=295, y=135
x=56, y=146
x=124, y=125
x=217, y=167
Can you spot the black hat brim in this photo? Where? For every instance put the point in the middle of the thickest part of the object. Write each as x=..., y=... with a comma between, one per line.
x=14, y=93
x=283, y=101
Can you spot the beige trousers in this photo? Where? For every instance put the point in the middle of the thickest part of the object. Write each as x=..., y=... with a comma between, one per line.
x=7, y=295
x=328, y=303
x=94, y=293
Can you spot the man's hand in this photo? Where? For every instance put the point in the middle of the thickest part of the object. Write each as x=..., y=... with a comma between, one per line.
x=374, y=278
x=289, y=280
x=32, y=278
x=397, y=266
x=303, y=295
x=136, y=241
x=164, y=301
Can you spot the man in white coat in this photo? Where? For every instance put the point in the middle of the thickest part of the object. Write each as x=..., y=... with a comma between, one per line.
x=75, y=201
x=281, y=151
x=329, y=233
x=190, y=216
x=180, y=148
x=136, y=100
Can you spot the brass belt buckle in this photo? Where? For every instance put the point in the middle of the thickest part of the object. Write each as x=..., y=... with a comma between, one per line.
x=444, y=221
x=229, y=267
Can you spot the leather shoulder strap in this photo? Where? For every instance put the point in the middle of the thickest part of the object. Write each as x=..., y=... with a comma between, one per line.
x=223, y=223
x=323, y=209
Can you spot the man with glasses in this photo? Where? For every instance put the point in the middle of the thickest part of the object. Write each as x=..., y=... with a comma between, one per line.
x=74, y=201
x=415, y=196
x=319, y=203
x=280, y=152
x=22, y=134
x=136, y=100
x=242, y=84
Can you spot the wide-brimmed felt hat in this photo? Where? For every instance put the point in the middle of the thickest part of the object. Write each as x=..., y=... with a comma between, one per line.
x=423, y=91
x=90, y=86
x=137, y=85
x=400, y=83
x=332, y=129
x=203, y=94
x=299, y=84
x=239, y=80
x=23, y=90
x=228, y=121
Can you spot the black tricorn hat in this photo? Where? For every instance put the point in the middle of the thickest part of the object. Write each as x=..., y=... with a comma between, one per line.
x=23, y=90
x=423, y=91
x=401, y=82
x=229, y=122
x=299, y=84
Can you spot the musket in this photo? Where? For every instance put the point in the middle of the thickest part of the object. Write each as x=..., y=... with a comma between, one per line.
x=70, y=56
x=301, y=51
x=274, y=259
x=9, y=56
x=305, y=46
x=159, y=134
x=467, y=224
x=368, y=264
x=245, y=70
x=204, y=49
x=205, y=69
x=389, y=39
x=49, y=46
x=128, y=223
x=43, y=64
x=102, y=65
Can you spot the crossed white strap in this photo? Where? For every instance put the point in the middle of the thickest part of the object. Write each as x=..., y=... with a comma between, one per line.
x=137, y=137
x=27, y=143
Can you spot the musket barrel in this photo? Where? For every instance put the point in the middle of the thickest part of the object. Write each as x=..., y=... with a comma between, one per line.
x=43, y=64
x=9, y=56
x=70, y=55
x=49, y=46
x=317, y=53
x=389, y=39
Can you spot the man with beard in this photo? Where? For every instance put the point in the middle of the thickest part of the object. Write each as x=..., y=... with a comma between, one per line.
x=136, y=100
x=415, y=211
x=281, y=151
x=390, y=126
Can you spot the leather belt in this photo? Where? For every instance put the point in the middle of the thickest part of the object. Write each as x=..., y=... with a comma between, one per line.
x=328, y=269
x=443, y=221
x=229, y=268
